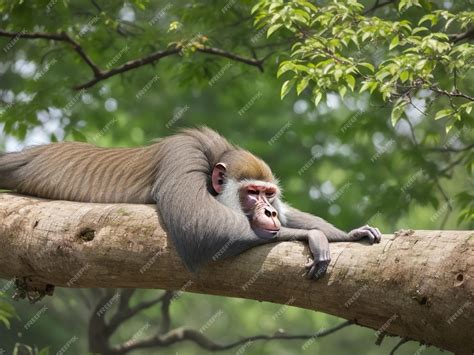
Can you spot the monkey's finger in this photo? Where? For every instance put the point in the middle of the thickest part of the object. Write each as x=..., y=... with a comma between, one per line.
x=309, y=264
x=362, y=233
x=320, y=270
x=379, y=233
x=376, y=234
x=310, y=272
x=371, y=234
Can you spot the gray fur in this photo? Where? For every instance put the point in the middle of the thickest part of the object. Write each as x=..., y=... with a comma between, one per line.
x=202, y=228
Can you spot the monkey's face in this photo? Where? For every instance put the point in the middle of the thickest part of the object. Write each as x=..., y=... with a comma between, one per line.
x=255, y=198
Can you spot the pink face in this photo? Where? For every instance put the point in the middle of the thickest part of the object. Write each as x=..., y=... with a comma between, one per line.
x=256, y=200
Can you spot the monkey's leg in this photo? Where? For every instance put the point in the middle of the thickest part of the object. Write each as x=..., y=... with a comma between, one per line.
x=318, y=244
x=302, y=220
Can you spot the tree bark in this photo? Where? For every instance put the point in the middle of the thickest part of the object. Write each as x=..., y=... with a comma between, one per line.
x=414, y=284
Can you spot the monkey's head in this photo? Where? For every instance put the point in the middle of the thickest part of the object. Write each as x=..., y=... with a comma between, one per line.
x=245, y=183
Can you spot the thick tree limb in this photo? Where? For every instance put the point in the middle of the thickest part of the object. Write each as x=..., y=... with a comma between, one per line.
x=415, y=284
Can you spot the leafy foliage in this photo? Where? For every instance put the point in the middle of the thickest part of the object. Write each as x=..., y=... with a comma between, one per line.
x=413, y=55
x=6, y=312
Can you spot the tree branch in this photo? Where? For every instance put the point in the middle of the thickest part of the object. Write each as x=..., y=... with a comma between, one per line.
x=219, y=52
x=462, y=36
x=129, y=66
x=450, y=93
x=451, y=149
x=61, y=37
x=100, y=75
x=377, y=5
x=184, y=333
x=402, y=286
x=400, y=343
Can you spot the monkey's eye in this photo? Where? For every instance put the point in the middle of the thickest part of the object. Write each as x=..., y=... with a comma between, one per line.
x=270, y=194
x=252, y=192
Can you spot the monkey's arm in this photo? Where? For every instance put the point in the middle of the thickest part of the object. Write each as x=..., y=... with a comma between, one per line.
x=318, y=244
x=302, y=220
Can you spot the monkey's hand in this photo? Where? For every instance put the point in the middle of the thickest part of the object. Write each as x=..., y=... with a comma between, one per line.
x=319, y=246
x=373, y=234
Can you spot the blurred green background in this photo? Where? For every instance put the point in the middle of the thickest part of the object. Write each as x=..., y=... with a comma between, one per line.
x=342, y=160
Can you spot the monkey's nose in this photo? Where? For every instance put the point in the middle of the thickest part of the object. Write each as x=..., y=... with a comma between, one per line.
x=269, y=213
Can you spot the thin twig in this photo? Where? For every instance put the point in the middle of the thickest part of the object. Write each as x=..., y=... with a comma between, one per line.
x=219, y=52
x=165, y=311
x=96, y=5
x=124, y=312
x=452, y=165
x=400, y=343
x=462, y=36
x=412, y=131
x=450, y=94
x=378, y=5
x=450, y=149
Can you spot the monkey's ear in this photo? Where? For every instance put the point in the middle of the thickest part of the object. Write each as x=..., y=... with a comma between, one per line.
x=218, y=177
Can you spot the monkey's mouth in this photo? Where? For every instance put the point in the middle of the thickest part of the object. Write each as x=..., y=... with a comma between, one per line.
x=272, y=231
x=266, y=233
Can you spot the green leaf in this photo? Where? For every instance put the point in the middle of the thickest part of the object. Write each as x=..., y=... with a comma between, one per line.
x=318, y=98
x=430, y=17
x=418, y=29
x=372, y=85
x=398, y=111
x=256, y=7
x=368, y=66
x=350, y=81
x=273, y=28
x=309, y=5
x=284, y=67
x=286, y=87
x=443, y=113
x=174, y=26
x=301, y=16
x=366, y=35
x=395, y=41
x=302, y=84
x=404, y=75
x=342, y=91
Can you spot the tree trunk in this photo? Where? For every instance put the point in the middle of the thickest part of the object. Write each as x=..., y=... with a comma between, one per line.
x=414, y=284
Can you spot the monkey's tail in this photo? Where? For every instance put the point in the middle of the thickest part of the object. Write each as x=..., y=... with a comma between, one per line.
x=10, y=165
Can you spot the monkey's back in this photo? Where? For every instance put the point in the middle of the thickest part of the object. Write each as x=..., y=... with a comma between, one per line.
x=86, y=173
x=82, y=172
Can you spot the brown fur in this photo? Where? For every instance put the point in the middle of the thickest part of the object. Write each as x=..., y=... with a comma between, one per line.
x=242, y=164
x=82, y=172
